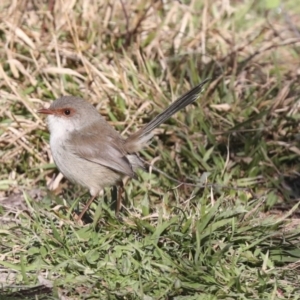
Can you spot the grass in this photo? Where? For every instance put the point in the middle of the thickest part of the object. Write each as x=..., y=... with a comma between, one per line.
x=234, y=232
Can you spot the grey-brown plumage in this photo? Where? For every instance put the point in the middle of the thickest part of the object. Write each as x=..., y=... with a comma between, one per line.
x=89, y=151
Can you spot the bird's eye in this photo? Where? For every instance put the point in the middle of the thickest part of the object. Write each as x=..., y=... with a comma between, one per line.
x=67, y=112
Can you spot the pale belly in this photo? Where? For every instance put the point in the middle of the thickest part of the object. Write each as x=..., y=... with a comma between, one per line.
x=85, y=173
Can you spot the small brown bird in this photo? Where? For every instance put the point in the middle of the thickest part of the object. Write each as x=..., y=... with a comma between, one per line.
x=90, y=152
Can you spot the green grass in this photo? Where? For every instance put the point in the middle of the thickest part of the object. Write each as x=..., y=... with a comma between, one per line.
x=233, y=232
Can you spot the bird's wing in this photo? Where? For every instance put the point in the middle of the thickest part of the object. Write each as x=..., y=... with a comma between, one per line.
x=102, y=145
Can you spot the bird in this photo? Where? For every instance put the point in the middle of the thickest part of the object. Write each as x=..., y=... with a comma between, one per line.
x=90, y=152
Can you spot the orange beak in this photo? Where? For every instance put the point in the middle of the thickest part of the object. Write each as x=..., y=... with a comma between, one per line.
x=46, y=111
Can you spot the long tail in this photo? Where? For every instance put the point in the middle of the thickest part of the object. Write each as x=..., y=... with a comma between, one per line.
x=136, y=141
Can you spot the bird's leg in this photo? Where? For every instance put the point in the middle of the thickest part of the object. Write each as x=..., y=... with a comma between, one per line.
x=119, y=198
x=86, y=207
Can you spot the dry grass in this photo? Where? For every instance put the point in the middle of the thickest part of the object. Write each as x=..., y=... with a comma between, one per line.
x=130, y=58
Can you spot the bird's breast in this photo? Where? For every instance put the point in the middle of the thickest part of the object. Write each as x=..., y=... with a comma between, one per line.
x=79, y=170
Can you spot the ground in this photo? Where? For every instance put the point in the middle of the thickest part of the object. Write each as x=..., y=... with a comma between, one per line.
x=233, y=231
